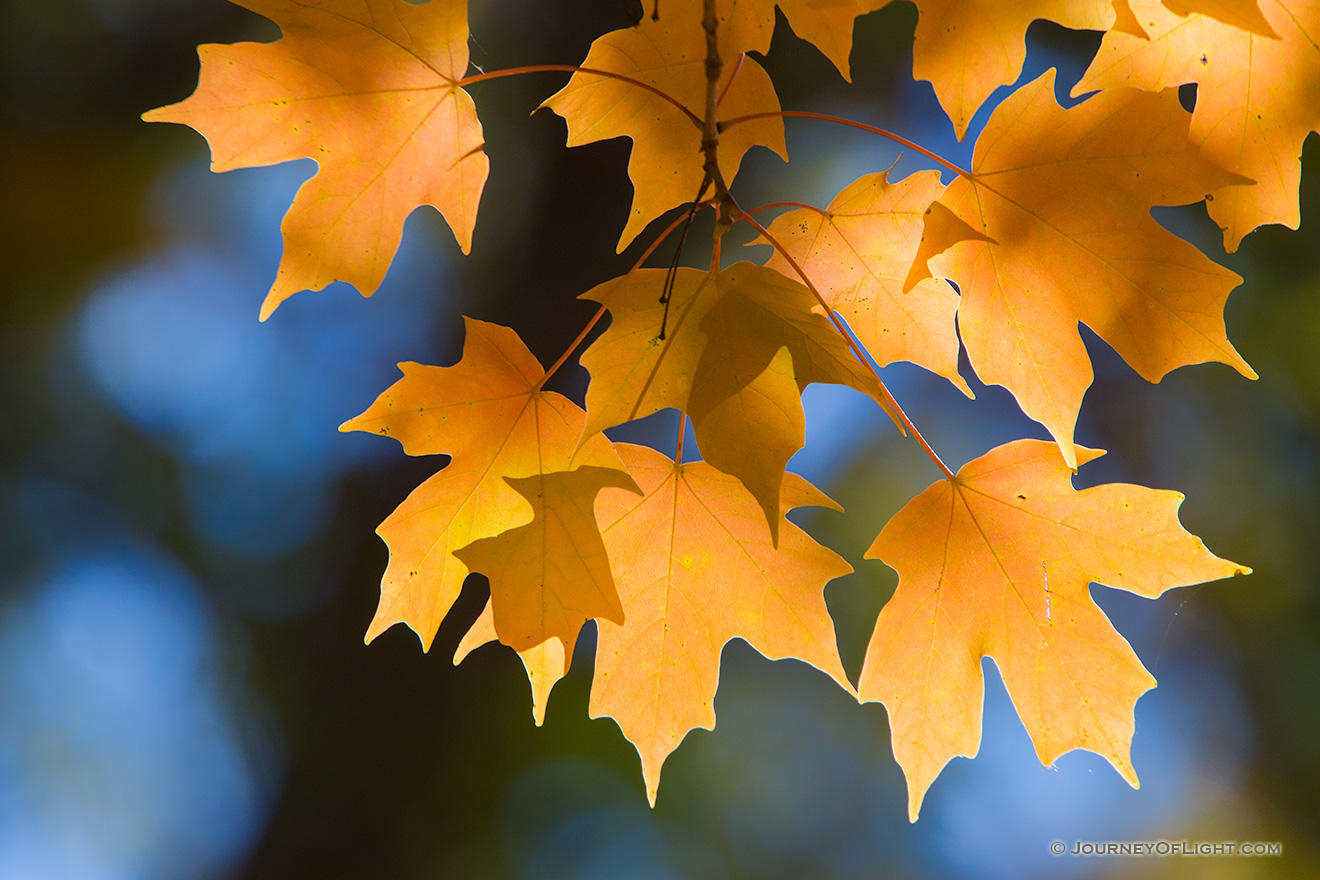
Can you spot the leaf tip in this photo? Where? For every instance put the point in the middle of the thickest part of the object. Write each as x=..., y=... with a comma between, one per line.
x=915, y=798
x=917, y=273
x=374, y=630
x=1086, y=455
x=1129, y=774
x=270, y=304
x=426, y=640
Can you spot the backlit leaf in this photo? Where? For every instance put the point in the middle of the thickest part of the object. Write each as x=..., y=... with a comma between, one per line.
x=997, y=564
x=695, y=567
x=969, y=48
x=367, y=89
x=723, y=333
x=489, y=415
x=1054, y=227
x=858, y=253
x=1257, y=99
x=666, y=166
x=550, y=576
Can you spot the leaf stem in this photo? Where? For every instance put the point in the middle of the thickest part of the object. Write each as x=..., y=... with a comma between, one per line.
x=572, y=347
x=682, y=218
x=682, y=432
x=671, y=277
x=570, y=68
x=897, y=138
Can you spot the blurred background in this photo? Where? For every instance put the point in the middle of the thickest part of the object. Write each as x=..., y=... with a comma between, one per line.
x=188, y=563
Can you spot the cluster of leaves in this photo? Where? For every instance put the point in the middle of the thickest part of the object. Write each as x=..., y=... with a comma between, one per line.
x=1050, y=227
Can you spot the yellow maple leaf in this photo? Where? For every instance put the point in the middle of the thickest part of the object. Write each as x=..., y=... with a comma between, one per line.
x=1257, y=99
x=997, y=563
x=738, y=347
x=667, y=164
x=367, y=89
x=489, y=414
x=858, y=253
x=695, y=567
x=969, y=48
x=1054, y=227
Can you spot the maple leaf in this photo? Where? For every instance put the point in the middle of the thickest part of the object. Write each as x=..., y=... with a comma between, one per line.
x=996, y=563
x=367, y=89
x=738, y=347
x=667, y=165
x=1256, y=101
x=550, y=576
x=858, y=253
x=545, y=663
x=489, y=414
x=826, y=24
x=695, y=567
x=969, y=48
x=1054, y=227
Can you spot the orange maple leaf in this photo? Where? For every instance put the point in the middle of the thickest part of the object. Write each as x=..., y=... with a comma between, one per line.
x=695, y=568
x=969, y=48
x=367, y=89
x=489, y=414
x=1054, y=227
x=667, y=164
x=997, y=563
x=550, y=576
x=1257, y=99
x=737, y=348
x=858, y=253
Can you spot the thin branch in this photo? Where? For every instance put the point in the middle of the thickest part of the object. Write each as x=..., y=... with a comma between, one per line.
x=671, y=277
x=896, y=138
x=569, y=68
x=820, y=211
